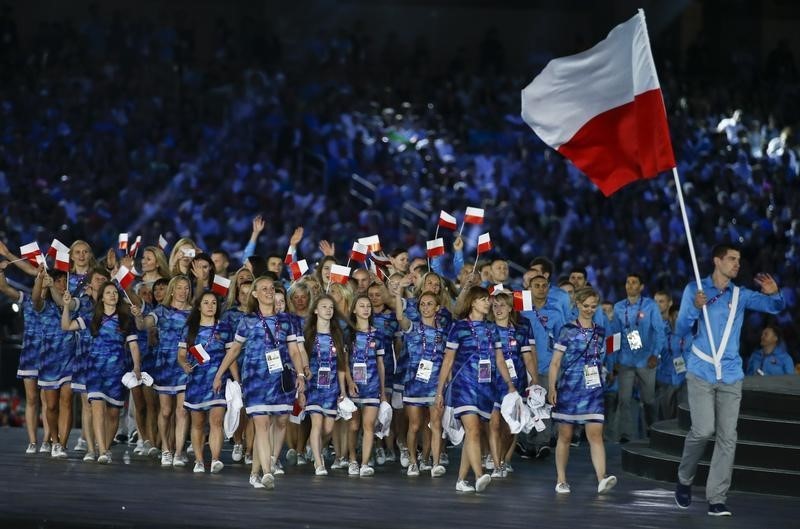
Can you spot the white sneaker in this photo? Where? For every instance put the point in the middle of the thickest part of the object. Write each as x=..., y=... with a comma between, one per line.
x=482, y=482
x=366, y=471
x=488, y=462
x=199, y=467
x=424, y=466
x=301, y=460
x=353, y=469
x=89, y=457
x=562, y=488
x=277, y=468
x=217, y=466
x=339, y=463
x=497, y=473
x=236, y=455
x=268, y=480
x=45, y=448
x=291, y=457
x=148, y=449
x=80, y=446
x=58, y=451
x=438, y=471
x=320, y=471
x=404, y=458
x=463, y=486
x=103, y=459
x=413, y=471
x=509, y=469
x=390, y=456
x=166, y=458
x=380, y=456
x=139, y=450
x=248, y=459
x=255, y=482
x=606, y=484
x=179, y=461
x=443, y=459
x=31, y=448
x=190, y=450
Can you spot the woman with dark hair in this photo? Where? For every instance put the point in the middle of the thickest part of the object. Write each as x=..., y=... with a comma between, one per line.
x=470, y=355
x=111, y=328
x=328, y=365
x=323, y=271
x=202, y=274
x=207, y=338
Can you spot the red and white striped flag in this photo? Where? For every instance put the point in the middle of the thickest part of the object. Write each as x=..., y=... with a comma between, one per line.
x=380, y=259
x=435, y=247
x=298, y=269
x=162, y=242
x=62, y=261
x=57, y=246
x=603, y=109
x=523, y=300
x=359, y=252
x=199, y=353
x=446, y=220
x=484, y=243
x=613, y=343
x=220, y=285
x=375, y=269
x=135, y=246
x=473, y=216
x=123, y=241
x=31, y=252
x=372, y=242
x=496, y=289
x=289, y=259
x=340, y=274
x=124, y=277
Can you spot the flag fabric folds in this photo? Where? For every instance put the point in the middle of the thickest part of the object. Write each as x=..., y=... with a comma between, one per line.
x=298, y=268
x=221, y=285
x=340, y=274
x=124, y=277
x=57, y=246
x=446, y=220
x=603, y=109
x=359, y=252
x=373, y=242
x=31, y=252
x=484, y=243
x=523, y=300
x=199, y=353
x=435, y=247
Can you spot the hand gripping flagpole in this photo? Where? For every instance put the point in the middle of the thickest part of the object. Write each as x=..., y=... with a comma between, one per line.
x=697, y=278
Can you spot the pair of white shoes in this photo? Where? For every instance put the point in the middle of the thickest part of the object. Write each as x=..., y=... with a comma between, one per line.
x=480, y=484
x=605, y=485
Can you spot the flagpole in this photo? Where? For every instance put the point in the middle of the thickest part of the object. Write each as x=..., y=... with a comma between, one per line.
x=477, y=254
x=17, y=260
x=462, y=228
x=694, y=256
x=436, y=235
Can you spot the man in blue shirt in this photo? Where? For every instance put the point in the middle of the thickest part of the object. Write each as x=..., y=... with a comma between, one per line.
x=772, y=358
x=544, y=267
x=714, y=371
x=639, y=321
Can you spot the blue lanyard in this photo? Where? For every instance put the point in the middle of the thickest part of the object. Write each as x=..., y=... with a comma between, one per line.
x=593, y=338
x=638, y=310
x=478, y=343
x=716, y=298
x=267, y=331
x=331, y=350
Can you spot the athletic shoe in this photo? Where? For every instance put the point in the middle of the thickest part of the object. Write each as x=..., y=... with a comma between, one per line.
x=390, y=456
x=31, y=448
x=339, y=463
x=190, y=450
x=488, y=462
x=718, y=509
x=80, y=446
x=139, y=450
x=413, y=470
x=353, y=469
x=683, y=495
x=148, y=449
x=166, y=458
x=380, y=456
x=248, y=459
x=438, y=471
x=443, y=459
x=104, y=459
x=576, y=441
x=179, y=461
x=45, y=448
x=268, y=480
x=291, y=457
x=606, y=484
x=366, y=471
x=463, y=486
x=482, y=482
x=424, y=466
x=199, y=467
x=255, y=482
x=508, y=468
x=542, y=452
x=58, y=452
x=301, y=460
x=562, y=488
x=236, y=455
x=498, y=472
x=89, y=457
x=217, y=466
x=277, y=468
x=404, y=457
x=320, y=471
x=371, y=462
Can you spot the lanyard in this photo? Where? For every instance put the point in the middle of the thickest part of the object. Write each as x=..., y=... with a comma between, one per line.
x=331, y=350
x=436, y=341
x=211, y=336
x=510, y=330
x=680, y=341
x=107, y=318
x=267, y=331
x=583, y=330
x=716, y=298
x=363, y=357
x=478, y=343
x=638, y=310
x=542, y=319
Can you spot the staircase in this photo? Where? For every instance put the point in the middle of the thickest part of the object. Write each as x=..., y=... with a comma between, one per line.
x=767, y=452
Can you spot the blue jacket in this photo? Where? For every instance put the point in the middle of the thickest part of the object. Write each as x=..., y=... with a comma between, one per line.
x=777, y=363
x=675, y=346
x=645, y=317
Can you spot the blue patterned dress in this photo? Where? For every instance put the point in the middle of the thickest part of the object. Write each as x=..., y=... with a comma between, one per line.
x=31, y=339
x=262, y=390
x=367, y=349
x=77, y=283
x=56, y=362
x=394, y=362
x=473, y=342
x=169, y=378
x=423, y=343
x=200, y=394
x=323, y=398
x=582, y=347
x=83, y=337
x=514, y=341
x=108, y=360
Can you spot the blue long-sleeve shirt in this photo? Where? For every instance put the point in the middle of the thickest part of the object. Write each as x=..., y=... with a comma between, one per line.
x=675, y=346
x=645, y=317
x=779, y=362
x=719, y=306
x=458, y=263
x=546, y=324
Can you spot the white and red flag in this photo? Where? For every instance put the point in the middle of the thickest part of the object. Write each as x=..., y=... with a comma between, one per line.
x=380, y=259
x=62, y=261
x=124, y=277
x=484, y=243
x=523, y=300
x=221, y=285
x=340, y=274
x=123, y=241
x=162, y=242
x=603, y=109
x=289, y=259
x=199, y=353
x=359, y=252
x=613, y=343
x=473, y=216
x=31, y=252
x=298, y=269
x=496, y=289
x=377, y=270
x=446, y=220
x=57, y=246
x=373, y=242
x=135, y=246
x=435, y=247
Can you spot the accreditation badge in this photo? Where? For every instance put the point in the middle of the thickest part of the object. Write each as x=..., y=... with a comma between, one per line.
x=512, y=371
x=360, y=372
x=679, y=364
x=592, y=376
x=424, y=370
x=484, y=371
x=634, y=340
x=324, y=377
x=274, y=363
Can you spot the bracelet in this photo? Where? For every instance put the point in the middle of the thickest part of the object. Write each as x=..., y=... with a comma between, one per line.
x=301, y=375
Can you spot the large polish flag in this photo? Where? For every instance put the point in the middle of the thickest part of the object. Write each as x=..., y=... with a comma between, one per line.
x=603, y=109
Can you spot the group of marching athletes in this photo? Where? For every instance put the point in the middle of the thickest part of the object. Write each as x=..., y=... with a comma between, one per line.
x=310, y=346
